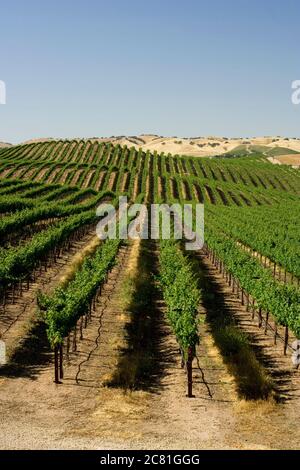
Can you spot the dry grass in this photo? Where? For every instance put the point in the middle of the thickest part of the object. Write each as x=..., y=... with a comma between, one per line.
x=253, y=383
x=289, y=159
x=136, y=361
x=124, y=369
x=129, y=285
x=70, y=270
x=114, y=409
x=258, y=408
x=215, y=355
x=21, y=330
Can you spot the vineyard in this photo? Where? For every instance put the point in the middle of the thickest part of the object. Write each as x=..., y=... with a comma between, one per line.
x=87, y=311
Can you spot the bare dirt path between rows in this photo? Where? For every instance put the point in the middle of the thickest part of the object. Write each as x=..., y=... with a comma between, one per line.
x=84, y=413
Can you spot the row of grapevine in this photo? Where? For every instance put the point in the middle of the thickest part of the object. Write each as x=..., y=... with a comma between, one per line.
x=28, y=216
x=273, y=232
x=280, y=300
x=17, y=263
x=65, y=306
x=182, y=297
x=223, y=181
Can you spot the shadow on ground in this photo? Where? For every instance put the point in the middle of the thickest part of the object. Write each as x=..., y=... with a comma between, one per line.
x=147, y=354
x=32, y=355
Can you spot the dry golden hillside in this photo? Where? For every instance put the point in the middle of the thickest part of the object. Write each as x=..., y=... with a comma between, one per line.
x=204, y=146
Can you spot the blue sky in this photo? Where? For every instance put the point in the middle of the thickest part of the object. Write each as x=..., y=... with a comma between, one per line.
x=187, y=68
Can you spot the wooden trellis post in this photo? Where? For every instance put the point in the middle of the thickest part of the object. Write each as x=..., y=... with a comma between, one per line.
x=61, y=360
x=286, y=339
x=189, y=368
x=56, y=366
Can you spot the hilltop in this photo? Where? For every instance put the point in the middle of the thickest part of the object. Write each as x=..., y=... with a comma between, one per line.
x=4, y=144
x=202, y=146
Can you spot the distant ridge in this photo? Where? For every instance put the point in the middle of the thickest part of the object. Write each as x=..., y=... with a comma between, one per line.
x=4, y=144
x=200, y=146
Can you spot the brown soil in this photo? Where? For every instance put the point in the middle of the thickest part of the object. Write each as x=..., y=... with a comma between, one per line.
x=83, y=156
x=3, y=173
x=93, y=152
x=58, y=154
x=76, y=177
x=65, y=175
x=40, y=175
x=51, y=178
x=17, y=174
x=88, y=179
x=100, y=181
x=69, y=152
